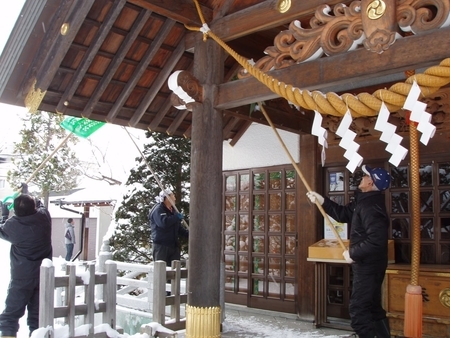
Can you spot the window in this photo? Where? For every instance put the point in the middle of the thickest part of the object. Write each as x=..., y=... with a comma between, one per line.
x=260, y=232
x=434, y=177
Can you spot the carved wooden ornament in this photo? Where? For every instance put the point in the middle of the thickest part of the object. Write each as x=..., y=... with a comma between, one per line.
x=186, y=89
x=379, y=24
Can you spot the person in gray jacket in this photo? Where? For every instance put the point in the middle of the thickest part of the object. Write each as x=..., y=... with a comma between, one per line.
x=29, y=231
x=69, y=238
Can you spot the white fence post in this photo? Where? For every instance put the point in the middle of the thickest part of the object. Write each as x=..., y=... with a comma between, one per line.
x=71, y=295
x=89, y=295
x=46, y=291
x=110, y=290
x=159, y=292
x=176, y=288
x=104, y=255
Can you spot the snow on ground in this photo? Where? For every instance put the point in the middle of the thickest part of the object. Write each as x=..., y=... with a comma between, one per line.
x=236, y=324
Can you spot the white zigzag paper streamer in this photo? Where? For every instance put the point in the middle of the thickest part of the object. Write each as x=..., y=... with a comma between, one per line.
x=321, y=133
x=389, y=136
x=419, y=114
x=348, y=143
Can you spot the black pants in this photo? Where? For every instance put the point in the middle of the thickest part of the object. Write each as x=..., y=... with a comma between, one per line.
x=365, y=302
x=22, y=294
x=166, y=253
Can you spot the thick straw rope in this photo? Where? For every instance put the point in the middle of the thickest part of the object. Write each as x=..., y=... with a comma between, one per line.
x=363, y=104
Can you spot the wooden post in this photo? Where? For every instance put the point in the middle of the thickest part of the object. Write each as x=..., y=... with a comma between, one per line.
x=175, y=290
x=70, y=293
x=46, y=291
x=104, y=255
x=89, y=294
x=110, y=294
x=159, y=292
x=206, y=192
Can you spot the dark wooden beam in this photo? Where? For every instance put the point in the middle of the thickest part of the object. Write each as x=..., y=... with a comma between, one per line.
x=115, y=63
x=188, y=132
x=239, y=134
x=183, y=11
x=412, y=52
x=281, y=122
x=148, y=56
x=74, y=19
x=264, y=15
x=177, y=121
x=229, y=126
x=158, y=83
x=100, y=37
x=160, y=115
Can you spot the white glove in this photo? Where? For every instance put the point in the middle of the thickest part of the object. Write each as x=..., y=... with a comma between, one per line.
x=347, y=258
x=313, y=197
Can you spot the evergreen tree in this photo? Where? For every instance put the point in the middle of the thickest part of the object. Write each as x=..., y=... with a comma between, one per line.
x=169, y=158
x=41, y=134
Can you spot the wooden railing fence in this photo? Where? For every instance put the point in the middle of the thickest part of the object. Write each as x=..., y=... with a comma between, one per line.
x=143, y=287
x=87, y=308
x=151, y=288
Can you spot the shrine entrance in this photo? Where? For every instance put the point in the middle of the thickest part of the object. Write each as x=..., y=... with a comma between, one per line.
x=260, y=237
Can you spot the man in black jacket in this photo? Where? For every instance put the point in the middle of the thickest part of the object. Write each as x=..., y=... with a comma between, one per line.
x=29, y=232
x=368, y=252
x=166, y=228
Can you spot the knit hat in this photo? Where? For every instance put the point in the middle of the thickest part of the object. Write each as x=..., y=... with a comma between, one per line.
x=380, y=177
x=163, y=194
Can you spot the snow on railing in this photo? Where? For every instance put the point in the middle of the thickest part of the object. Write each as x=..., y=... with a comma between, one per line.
x=72, y=306
x=75, y=296
x=145, y=288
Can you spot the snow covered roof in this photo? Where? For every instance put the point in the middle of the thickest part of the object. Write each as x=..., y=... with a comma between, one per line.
x=96, y=195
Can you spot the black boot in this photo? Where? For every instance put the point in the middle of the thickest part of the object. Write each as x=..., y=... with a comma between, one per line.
x=369, y=334
x=382, y=329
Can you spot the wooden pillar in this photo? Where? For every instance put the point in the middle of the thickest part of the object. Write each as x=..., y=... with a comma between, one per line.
x=309, y=227
x=203, y=309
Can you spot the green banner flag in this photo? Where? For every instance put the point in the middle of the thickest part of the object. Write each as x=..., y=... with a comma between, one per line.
x=81, y=126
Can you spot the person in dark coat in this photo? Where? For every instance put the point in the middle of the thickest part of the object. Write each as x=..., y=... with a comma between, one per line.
x=166, y=228
x=29, y=232
x=368, y=252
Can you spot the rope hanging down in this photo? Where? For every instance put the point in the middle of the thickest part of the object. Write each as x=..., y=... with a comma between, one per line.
x=363, y=104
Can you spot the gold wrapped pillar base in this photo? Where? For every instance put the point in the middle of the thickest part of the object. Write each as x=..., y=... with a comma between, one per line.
x=202, y=322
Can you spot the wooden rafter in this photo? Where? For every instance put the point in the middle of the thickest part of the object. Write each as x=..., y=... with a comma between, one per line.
x=157, y=85
x=264, y=15
x=116, y=61
x=160, y=115
x=100, y=37
x=230, y=125
x=148, y=56
x=241, y=132
x=49, y=67
x=177, y=121
x=183, y=11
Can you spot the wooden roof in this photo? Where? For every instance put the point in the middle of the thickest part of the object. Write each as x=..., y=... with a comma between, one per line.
x=109, y=60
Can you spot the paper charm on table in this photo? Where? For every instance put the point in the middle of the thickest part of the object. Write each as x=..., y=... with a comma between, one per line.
x=348, y=143
x=321, y=133
x=419, y=114
x=389, y=136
